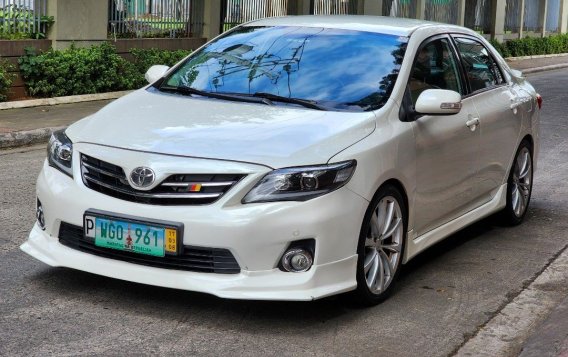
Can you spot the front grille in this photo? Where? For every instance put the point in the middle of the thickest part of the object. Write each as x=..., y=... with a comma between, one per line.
x=198, y=259
x=179, y=189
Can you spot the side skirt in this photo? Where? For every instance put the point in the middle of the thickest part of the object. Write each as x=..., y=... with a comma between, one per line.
x=417, y=244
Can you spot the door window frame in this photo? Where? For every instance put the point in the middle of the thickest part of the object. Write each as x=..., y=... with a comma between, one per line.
x=470, y=92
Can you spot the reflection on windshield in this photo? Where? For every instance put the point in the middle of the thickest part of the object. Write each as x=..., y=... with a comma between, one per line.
x=339, y=69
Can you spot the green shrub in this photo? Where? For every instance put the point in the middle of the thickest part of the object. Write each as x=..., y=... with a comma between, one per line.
x=6, y=79
x=95, y=69
x=145, y=58
x=76, y=71
x=531, y=46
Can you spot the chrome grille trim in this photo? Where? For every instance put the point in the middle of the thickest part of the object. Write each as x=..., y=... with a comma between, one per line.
x=110, y=179
x=99, y=170
x=152, y=195
x=203, y=184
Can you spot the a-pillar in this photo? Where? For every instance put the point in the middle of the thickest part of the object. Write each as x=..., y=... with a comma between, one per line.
x=80, y=22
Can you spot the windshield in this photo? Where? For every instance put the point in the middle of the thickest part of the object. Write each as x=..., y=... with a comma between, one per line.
x=337, y=69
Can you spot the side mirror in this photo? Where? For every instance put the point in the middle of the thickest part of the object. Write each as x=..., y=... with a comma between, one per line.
x=155, y=72
x=438, y=102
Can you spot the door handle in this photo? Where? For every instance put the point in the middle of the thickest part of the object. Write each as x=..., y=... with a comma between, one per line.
x=472, y=123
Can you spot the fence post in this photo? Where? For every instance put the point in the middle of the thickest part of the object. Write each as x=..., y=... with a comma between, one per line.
x=212, y=19
x=563, y=20
x=522, y=19
x=498, y=19
x=304, y=7
x=420, y=9
x=461, y=12
x=543, y=6
x=80, y=22
x=373, y=7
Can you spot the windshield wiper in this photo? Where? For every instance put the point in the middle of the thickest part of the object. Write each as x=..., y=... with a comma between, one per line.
x=236, y=98
x=278, y=98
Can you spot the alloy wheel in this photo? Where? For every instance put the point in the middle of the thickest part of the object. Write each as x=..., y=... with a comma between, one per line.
x=383, y=245
x=522, y=176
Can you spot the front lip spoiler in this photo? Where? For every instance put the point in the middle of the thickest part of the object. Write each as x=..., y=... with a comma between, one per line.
x=319, y=282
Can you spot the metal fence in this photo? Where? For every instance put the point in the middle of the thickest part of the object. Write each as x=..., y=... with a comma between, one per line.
x=23, y=16
x=513, y=16
x=442, y=11
x=532, y=13
x=236, y=12
x=552, y=15
x=155, y=18
x=400, y=8
x=478, y=15
x=334, y=7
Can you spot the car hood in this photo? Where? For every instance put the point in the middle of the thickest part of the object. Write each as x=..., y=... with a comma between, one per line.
x=274, y=136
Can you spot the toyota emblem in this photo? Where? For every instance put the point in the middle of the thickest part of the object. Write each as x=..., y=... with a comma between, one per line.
x=142, y=177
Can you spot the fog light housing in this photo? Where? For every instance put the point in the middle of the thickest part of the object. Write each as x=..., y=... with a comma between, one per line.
x=297, y=260
x=40, y=216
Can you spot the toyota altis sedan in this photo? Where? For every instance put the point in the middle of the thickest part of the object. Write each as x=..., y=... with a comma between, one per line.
x=292, y=159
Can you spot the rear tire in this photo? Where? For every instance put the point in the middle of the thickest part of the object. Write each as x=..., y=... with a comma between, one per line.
x=519, y=186
x=381, y=246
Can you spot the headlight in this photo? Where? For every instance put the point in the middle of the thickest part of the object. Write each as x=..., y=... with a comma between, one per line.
x=60, y=152
x=301, y=183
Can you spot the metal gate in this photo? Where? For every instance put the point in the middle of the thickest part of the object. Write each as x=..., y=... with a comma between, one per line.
x=23, y=16
x=155, y=18
x=236, y=12
x=334, y=7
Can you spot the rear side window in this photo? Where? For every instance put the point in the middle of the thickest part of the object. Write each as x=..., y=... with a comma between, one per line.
x=481, y=69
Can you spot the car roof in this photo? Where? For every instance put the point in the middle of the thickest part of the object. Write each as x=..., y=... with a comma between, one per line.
x=380, y=24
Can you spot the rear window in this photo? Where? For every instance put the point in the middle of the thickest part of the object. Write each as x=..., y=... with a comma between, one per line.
x=339, y=69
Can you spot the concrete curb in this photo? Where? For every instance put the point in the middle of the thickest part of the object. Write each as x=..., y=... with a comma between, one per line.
x=62, y=100
x=505, y=334
x=545, y=68
x=520, y=58
x=26, y=137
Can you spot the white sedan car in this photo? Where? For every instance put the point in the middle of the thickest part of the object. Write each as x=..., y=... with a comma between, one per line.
x=291, y=159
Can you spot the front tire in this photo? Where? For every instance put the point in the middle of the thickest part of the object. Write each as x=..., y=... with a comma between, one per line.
x=519, y=186
x=380, y=248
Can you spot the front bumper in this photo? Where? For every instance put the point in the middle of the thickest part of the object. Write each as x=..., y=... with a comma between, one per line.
x=256, y=234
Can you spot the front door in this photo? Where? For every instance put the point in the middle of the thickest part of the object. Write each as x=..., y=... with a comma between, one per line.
x=446, y=147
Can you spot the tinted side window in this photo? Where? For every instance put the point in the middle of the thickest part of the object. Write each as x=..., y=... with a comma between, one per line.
x=435, y=67
x=482, y=71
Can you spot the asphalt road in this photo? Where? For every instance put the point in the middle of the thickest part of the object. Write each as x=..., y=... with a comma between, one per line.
x=444, y=296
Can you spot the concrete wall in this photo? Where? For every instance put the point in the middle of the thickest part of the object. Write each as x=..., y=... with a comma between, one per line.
x=83, y=22
x=10, y=51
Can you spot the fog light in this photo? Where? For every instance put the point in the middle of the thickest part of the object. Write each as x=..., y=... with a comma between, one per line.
x=297, y=260
x=39, y=216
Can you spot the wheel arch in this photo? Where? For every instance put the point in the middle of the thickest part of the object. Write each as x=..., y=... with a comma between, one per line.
x=530, y=140
x=400, y=187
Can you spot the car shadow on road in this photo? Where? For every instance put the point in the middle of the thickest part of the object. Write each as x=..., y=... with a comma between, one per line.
x=96, y=292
